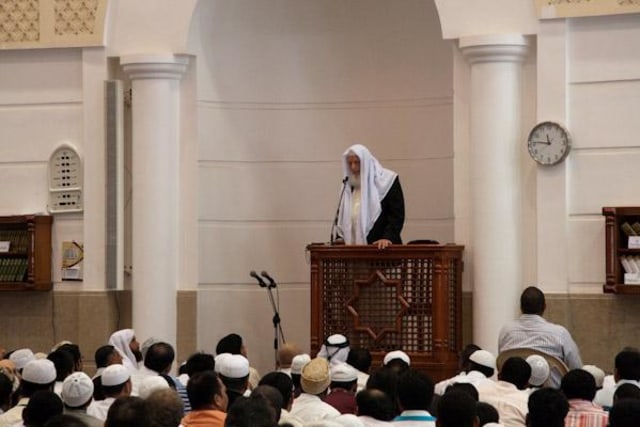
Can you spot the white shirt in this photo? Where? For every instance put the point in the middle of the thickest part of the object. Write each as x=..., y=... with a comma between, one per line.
x=99, y=408
x=472, y=377
x=372, y=422
x=362, y=380
x=510, y=402
x=310, y=408
x=13, y=417
x=604, y=396
x=287, y=418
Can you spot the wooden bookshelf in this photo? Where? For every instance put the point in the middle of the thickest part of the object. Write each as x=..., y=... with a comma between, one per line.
x=616, y=247
x=26, y=265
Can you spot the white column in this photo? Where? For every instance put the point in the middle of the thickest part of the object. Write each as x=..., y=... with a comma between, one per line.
x=155, y=84
x=495, y=135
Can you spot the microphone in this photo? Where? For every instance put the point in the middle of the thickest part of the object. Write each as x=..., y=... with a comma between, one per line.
x=272, y=283
x=335, y=219
x=258, y=278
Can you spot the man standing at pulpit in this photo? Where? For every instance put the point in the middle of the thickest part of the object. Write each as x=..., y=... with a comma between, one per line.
x=372, y=204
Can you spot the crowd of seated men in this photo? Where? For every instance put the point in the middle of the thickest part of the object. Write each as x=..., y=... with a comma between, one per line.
x=134, y=386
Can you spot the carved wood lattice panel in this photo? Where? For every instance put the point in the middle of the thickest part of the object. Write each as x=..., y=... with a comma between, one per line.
x=384, y=304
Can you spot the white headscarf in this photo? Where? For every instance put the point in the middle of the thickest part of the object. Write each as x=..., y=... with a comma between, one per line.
x=120, y=341
x=375, y=182
x=337, y=353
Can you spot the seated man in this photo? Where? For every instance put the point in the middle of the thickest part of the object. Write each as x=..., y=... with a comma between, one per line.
x=415, y=392
x=208, y=398
x=464, y=366
x=283, y=383
x=335, y=349
x=480, y=368
x=547, y=408
x=625, y=413
x=360, y=358
x=626, y=370
x=309, y=406
x=344, y=382
x=457, y=409
x=531, y=330
x=234, y=373
x=508, y=394
x=375, y=408
x=579, y=387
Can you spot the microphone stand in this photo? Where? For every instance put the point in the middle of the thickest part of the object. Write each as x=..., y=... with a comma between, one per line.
x=334, y=227
x=275, y=306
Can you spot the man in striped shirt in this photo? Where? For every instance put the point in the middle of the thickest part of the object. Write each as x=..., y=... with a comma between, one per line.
x=531, y=330
x=579, y=387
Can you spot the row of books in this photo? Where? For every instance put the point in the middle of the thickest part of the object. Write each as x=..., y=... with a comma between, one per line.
x=631, y=264
x=631, y=229
x=19, y=240
x=13, y=269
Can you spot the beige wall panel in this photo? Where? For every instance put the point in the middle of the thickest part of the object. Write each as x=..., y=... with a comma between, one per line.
x=245, y=310
x=604, y=48
x=604, y=178
x=586, y=251
x=310, y=191
x=322, y=133
x=27, y=190
x=33, y=133
x=40, y=76
x=605, y=114
x=229, y=251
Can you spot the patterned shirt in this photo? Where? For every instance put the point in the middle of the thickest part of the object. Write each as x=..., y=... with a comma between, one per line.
x=533, y=331
x=583, y=413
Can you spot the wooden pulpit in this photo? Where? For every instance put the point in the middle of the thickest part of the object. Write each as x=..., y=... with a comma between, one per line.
x=405, y=297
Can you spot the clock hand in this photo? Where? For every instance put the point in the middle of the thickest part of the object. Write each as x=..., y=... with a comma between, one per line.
x=541, y=142
x=548, y=142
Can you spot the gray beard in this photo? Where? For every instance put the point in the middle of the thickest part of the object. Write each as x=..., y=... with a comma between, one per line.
x=354, y=181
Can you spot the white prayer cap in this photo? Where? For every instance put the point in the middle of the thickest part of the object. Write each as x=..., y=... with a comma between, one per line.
x=150, y=384
x=397, y=354
x=21, y=357
x=539, y=370
x=115, y=374
x=484, y=358
x=298, y=362
x=219, y=360
x=341, y=372
x=77, y=389
x=234, y=366
x=598, y=374
x=315, y=376
x=41, y=371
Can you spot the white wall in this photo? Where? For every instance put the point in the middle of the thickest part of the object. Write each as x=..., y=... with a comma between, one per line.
x=603, y=86
x=283, y=88
x=41, y=107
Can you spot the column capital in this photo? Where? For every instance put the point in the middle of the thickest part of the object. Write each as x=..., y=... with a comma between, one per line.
x=494, y=48
x=155, y=66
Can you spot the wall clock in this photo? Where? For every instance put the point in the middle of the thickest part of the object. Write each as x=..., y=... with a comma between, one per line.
x=549, y=143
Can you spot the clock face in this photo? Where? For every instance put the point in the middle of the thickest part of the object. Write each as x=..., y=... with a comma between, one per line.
x=549, y=143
